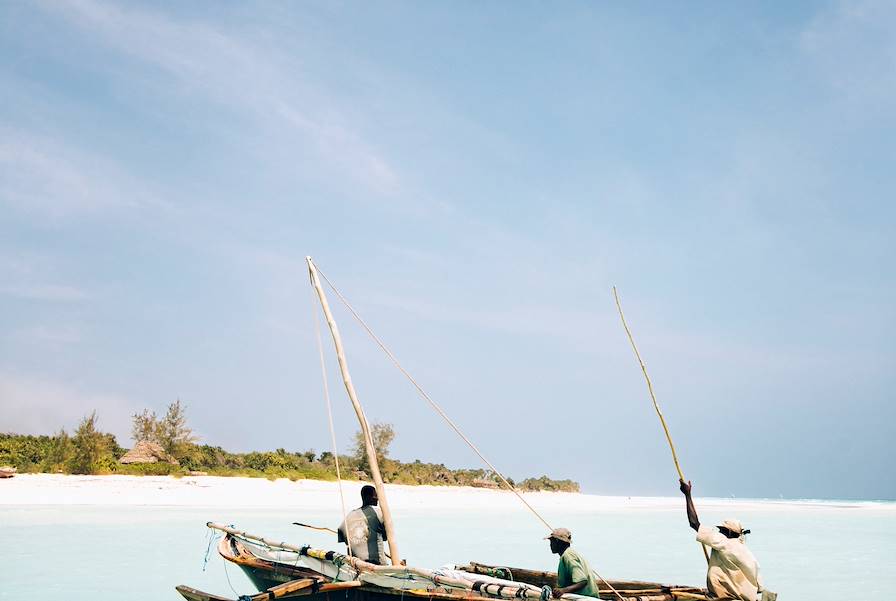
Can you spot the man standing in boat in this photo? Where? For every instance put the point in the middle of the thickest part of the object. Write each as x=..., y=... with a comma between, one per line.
x=574, y=575
x=363, y=530
x=733, y=571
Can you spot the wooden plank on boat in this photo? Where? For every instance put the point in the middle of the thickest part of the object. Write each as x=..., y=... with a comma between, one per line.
x=293, y=588
x=192, y=594
x=689, y=596
x=339, y=586
x=281, y=590
x=422, y=592
x=626, y=595
x=633, y=588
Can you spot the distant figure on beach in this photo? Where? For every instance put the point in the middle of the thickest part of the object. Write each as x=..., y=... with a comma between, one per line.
x=573, y=573
x=363, y=530
x=733, y=571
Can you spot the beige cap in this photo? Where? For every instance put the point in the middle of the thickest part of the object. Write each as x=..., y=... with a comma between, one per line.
x=560, y=534
x=733, y=525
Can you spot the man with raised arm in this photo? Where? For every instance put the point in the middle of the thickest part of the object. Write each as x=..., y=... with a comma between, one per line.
x=733, y=571
x=573, y=573
x=363, y=530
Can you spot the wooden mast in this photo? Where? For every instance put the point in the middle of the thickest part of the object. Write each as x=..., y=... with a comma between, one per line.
x=365, y=428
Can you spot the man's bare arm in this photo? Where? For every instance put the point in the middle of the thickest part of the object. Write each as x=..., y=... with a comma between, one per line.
x=693, y=520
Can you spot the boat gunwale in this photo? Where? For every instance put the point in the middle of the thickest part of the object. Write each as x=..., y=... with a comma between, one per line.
x=234, y=549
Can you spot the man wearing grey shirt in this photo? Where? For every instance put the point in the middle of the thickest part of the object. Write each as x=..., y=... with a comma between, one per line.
x=363, y=530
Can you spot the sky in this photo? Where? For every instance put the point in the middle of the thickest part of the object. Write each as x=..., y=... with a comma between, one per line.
x=474, y=178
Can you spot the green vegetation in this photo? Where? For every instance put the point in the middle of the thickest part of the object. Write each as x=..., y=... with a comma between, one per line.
x=90, y=451
x=382, y=436
x=170, y=432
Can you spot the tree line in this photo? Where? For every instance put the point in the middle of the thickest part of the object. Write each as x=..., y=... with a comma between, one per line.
x=90, y=451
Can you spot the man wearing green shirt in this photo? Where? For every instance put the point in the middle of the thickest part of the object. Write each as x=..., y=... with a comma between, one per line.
x=573, y=573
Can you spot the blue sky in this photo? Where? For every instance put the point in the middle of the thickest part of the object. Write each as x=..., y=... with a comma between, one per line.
x=475, y=178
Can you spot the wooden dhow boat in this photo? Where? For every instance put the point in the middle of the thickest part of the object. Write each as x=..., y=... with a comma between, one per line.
x=282, y=570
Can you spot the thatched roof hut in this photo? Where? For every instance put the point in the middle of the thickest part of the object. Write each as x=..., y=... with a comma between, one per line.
x=147, y=452
x=484, y=483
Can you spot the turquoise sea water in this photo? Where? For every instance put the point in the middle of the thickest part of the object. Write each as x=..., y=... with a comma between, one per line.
x=810, y=552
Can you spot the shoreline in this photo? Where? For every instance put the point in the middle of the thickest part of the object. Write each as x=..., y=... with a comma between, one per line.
x=228, y=491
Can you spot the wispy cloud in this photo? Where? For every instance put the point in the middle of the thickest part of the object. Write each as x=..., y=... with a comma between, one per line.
x=37, y=278
x=344, y=147
x=55, y=337
x=853, y=47
x=524, y=319
x=229, y=71
x=49, y=178
x=46, y=292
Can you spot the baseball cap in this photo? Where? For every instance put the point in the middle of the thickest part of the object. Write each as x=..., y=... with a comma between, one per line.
x=732, y=525
x=560, y=534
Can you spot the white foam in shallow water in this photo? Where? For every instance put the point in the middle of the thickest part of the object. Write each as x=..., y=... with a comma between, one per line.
x=136, y=538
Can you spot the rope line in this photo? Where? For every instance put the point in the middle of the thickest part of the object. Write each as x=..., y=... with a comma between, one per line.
x=323, y=371
x=213, y=536
x=607, y=583
x=227, y=574
x=434, y=405
x=442, y=413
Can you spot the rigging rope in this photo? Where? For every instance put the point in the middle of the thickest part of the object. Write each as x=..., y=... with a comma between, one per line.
x=442, y=413
x=212, y=537
x=607, y=583
x=230, y=584
x=434, y=405
x=437, y=408
x=323, y=371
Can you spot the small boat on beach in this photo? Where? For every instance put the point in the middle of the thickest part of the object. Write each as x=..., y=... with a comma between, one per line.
x=7, y=471
x=281, y=570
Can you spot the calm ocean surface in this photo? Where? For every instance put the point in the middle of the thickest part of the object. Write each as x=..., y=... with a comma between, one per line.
x=79, y=553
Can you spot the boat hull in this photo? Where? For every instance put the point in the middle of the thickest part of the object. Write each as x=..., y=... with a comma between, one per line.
x=265, y=573
x=356, y=594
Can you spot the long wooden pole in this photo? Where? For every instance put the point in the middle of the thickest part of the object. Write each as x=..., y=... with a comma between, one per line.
x=653, y=398
x=365, y=427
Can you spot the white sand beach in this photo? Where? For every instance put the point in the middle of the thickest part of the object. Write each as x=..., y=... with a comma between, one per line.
x=211, y=491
